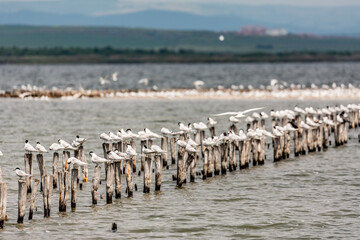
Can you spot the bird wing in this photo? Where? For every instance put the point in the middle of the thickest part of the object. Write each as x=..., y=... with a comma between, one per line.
x=226, y=113
x=252, y=109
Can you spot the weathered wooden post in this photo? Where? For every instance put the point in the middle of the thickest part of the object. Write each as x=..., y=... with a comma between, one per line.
x=142, y=144
x=158, y=171
x=231, y=155
x=46, y=183
x=95, y=183
x=33, y=197
x=212, y=131
x=74, y=177
x=147, y=173
x=133, y=145
x=117, y=171
x=49, y=193
x=205, y=163
x=210, y=162
x=28, y=170
x=84, y=169
x=106, y=148
x=180, y=166
x=217, y=159
x=129, y=177
x=164, y=146
x=194, y=162
x=242, y=150
x=21, y=200
x=224, y=157
x=41, y=163
x=325, y=143
x=55, y=168
x=65, y=157
x=110, y=183
x=63, y=178
x=254, y=151
x=3, y=198
x=173, y=150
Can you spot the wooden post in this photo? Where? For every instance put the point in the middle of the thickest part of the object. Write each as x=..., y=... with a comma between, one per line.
x=3, y=198
x=66, y=186
x=202, y=138
x=21, y=200
x=205, y=163
x=41, y=163
x=133, y=145
x=254, y=151
x=33, y=197
x=164, y=146
x=55, y=168
x=84, y=169
x=49, y=194
x=106, y=148
x=233, y=128
x=224, y=157
x=129, y=177
x=262, y=150
x=110, y=183
x=231, y=155
x=158, y=172
x=142, y=144
x=147, y=173
x=45, y=182
x=28, y=170
x=212, y=131
x=173, y=150
x=74, y=178
x=242, y=158
x=211, y=162
x=63, y=178
x=95, y=184
x=217, y=160
x=117, y=171
x=180, y=167
x=66, y=156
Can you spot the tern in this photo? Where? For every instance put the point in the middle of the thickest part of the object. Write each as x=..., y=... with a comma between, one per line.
x=76, y=162
x=192, y=143
x=181, y=143
x=239, y=114
x=211, y=122
x=289, y=128
x=130, y=151
x=98, y=160
x=80, y=140
x=157, y=149
x=29, y=148
x=233, y=119
x=56, y=147
x=166, y=131
x=304, y=125
x=114, y=137
x=147, y=150
x=190, y=149
x=20, y=173
x=40, y=148
x=105, y=137
x=249, y=119
x=114, y=76
x=112, y=155
x=277, y=132
x=121, y=154
x=184, y=128
x=299, y=110
x=131, y=134
x=200, y=126
x=123, y=134
x=242, y=134
x=66, y=145
x=151, y=134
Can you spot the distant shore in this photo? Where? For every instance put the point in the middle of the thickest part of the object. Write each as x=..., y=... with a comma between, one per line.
x=110, y=55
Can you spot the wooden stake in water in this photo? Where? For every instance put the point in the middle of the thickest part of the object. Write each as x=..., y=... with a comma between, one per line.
x=142, y=144
x=164, y=146
x=33, y=197
x=129, y=177
x=66, y=156
x=41, y=163
x=95, y=184
x=55, y=168
x=173, y=150
x=158, y=171
x=224, y=157
x=74, y=177
x=21, y=200
x=110, y=183
x=29, y=170
x=180, y=167
x=3, y=198
x=133, y=145
x=117, y=171
x=217, y=160
x=147, y=173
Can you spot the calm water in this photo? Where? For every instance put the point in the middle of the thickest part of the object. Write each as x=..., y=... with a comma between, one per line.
x=177, y=75
x=314, y=196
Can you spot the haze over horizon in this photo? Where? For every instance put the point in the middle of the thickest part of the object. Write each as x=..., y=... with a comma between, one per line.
x=327, y=17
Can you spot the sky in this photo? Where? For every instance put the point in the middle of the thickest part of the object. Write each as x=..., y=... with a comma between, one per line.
x=200, y=7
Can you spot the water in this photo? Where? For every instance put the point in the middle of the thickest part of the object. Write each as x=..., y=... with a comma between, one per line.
x=177, y=75
x=313, y=196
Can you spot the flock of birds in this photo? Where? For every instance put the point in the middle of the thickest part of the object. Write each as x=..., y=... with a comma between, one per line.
x=320, y=115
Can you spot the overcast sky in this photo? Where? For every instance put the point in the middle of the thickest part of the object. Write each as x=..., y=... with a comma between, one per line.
x=105, y=7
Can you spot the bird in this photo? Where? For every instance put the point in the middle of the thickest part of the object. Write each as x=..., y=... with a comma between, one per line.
x=233, y=119
x=184, y=128
x=66, y=145
x=192, y=143
x=211, y=122
x=40, y=148
x=166, y=131
x=121, y=154
x=29, y=148
x=146, y=150
x=114, y=76
x=56, y=147
x=289, y=128
x=80, y=140
x=144, y=81
x=151, y=134
x=122, y=134
x=198, y=84
x=1, y=154
x=239, y=114
x=181, y=143
x=277, y=132
x=200, y=126
x=103, y=81
x=76, y=162
x=105, y=137
x=20, y=173
x=114, y=137
x=190, y=149
x=157, y=149
x=264, y=115
x=299, y=110
x=112, y=155
x=98, y=160
x=130, y=151
x=131, y=134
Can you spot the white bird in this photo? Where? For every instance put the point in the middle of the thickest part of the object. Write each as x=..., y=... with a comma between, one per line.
x=242, y=134
x=114, y=156
x=66, y=145
x=114, y=76
x=56, y=147
x=299, y=110
x=121, y=154
x=114, y=137
x=105, y=137
x=192, y=142
x=327, y=121
x=264, y=115
x=200, y=126
x=339, y=119
x=265, y=133
x=181, y=143
x=28, y=147
x=123, y=134
x=239, y=114
x=151, y=134
x=20, y=173
x=249, y=119
x=130, y=151
x=311, y=123
x=75, y=144
x=184, y=128
x=208, y=142
x=76, y=162
x=166, y=131
x=144, y=81
x=103, y=81
x=131, y=134
x=198, y=84
x=97, y=160
x=80, y=140
x=233, y=119
x=289, y=128
x=146, y=150
x=304, y=125
x=211, y=122
x=277, y=132
x=40, y=148
x=256, y=115
x=190, y=149
x=157, y=149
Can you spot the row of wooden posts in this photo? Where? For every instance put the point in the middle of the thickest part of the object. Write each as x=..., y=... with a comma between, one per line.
x=217, y=159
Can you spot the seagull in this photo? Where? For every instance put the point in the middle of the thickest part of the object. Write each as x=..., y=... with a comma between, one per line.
x=166, y=131
x=181, y=143
x=40, y=148
x=130, y=151
x=147, y=150
x=20, y=173
x=76, y=162
x=28, y=147
x=66, y=145
x=114, y=76
x=157, y=149
x=112, y=155
x=98, y=160
x=239, y=114
x=105, y=137
x=190, y=149
x=211, y=122
x=80, y=140
x=56, y=147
